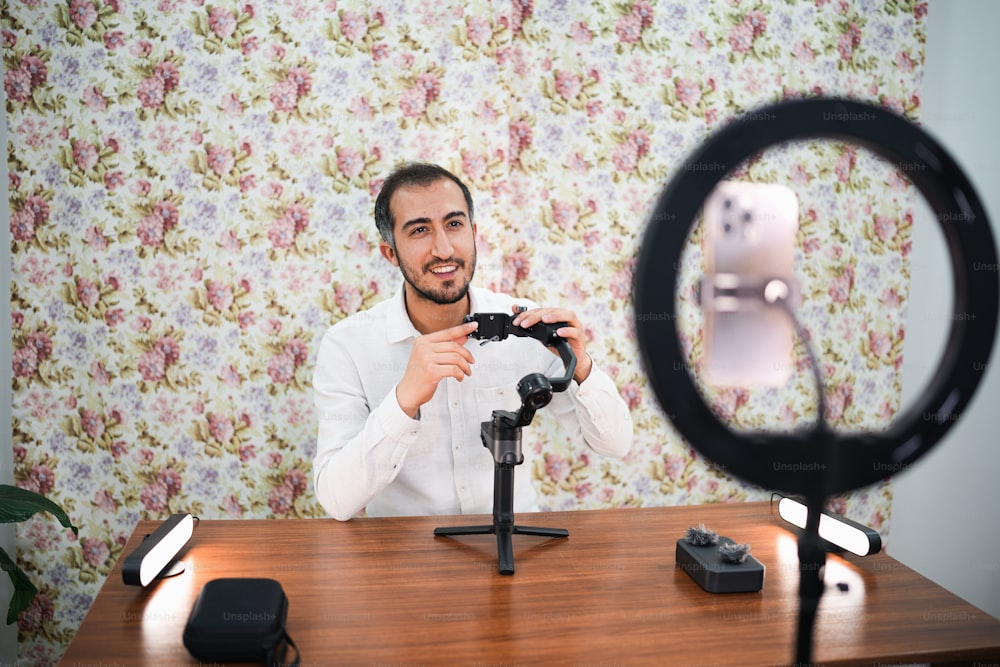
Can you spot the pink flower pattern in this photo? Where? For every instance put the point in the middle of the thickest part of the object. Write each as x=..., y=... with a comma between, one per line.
x=353, y=25
x=151, y=92
x=82, y=13
x=95, y=551
x=413, y=102
x=84, y=155
x=222, y=22
x=22, y=225
x=568, y=85
x=220, y=159
x=17, y=85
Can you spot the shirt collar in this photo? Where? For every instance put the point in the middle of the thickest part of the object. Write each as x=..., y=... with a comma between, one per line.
x=398, y=325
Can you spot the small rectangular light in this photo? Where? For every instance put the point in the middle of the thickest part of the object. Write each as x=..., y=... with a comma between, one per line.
x=836, y=529
x=158, y=550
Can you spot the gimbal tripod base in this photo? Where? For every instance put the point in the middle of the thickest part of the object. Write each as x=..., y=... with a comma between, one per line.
x=505, y=546
x=504, y=441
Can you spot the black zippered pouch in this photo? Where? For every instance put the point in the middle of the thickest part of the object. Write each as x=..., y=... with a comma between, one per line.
x=240, y=620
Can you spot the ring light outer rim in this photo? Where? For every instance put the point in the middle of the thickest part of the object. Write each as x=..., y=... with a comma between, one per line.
x=820, y=461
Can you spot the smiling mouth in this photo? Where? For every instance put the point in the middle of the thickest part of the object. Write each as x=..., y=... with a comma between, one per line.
x=444, y=269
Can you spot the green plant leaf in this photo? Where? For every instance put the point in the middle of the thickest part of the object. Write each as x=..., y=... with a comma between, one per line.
x=24, y=590
x=17, y=504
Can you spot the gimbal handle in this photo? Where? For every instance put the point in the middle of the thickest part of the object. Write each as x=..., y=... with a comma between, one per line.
x=569, y=362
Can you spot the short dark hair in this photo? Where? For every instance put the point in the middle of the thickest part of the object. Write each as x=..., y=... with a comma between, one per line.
x=413, y=174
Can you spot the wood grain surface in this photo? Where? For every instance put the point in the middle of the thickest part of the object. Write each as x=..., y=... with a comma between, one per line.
x=388, y=592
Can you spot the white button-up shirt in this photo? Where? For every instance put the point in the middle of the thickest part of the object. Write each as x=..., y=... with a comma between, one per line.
x=372, y=456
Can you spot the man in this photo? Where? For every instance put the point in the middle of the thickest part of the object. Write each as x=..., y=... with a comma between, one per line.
x=401, y=390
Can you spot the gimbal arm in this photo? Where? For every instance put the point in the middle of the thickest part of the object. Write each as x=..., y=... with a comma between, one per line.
x=535, y=389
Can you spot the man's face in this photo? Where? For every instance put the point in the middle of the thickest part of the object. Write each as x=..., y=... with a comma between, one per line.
x=435, y=242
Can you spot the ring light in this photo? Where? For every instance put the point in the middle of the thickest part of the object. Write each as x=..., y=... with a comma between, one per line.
x=838, y=462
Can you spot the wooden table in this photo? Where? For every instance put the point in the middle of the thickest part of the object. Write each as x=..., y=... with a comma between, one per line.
x=388, y=592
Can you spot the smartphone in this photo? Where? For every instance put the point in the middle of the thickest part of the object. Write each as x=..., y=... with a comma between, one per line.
x=748, y=247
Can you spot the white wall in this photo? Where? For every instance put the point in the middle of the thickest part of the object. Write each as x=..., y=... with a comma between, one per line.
x=945, y=508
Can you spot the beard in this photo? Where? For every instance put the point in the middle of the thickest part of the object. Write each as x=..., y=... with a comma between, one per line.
x=448, y=292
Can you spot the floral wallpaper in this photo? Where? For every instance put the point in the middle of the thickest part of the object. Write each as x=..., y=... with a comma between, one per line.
x=191, y=188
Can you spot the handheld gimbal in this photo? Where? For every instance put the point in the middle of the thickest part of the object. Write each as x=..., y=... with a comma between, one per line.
x=502, y=434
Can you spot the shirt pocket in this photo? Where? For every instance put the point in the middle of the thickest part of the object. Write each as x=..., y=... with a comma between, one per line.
x=500, y=397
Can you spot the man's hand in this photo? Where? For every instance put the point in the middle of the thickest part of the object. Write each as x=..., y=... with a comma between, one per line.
x=435, y=356
x=574, y=333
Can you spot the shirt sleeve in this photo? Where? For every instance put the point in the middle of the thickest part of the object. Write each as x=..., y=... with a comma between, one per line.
x=595, y=412
x=359, y=448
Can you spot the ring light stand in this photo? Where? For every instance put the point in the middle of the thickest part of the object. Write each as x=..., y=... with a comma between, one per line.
x=502, y=436
x=842, y=461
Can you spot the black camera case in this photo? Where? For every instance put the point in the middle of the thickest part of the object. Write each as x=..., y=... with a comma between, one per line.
x=239, y=620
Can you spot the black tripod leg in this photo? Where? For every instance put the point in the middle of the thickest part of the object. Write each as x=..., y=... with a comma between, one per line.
x=505, y=552
x=541, y=532
x=464, y=530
